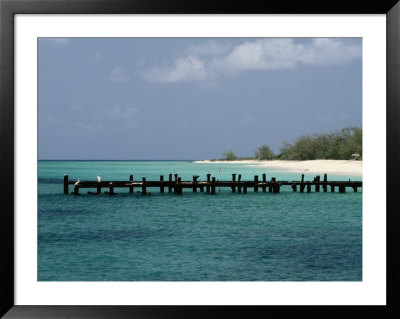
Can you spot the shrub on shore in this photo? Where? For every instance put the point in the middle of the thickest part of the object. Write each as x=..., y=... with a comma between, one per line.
x=339, y=145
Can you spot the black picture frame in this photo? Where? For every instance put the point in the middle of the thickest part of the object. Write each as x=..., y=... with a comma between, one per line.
x=8, y=8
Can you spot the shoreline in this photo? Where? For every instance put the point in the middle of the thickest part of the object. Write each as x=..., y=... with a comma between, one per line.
x=340, y=167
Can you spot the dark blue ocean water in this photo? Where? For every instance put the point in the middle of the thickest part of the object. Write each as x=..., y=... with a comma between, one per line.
x=194, y=237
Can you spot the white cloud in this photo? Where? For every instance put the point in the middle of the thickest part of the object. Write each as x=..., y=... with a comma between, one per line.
x=57, y=40
x=259, y=55
x=208, y=48
x=184, y=69
x=210, y=59
x=119, y=75
x=325, y=51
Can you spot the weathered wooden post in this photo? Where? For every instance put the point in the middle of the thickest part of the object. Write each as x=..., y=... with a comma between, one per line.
x=98, y=188
x=264, y=179
x=308, y=187
x=170, y=183
x=302, y=184
x=342, y=188
x=176, y=177
x=294, y=187
x=213, y=186
x=275, y=186
x=233, y=183
x=65, y=184
x=271, y=185
x=195, y=183
x=325, y=186
x=317, y=185
x=208, y=183
x=244, y=188
x=256, y=183
x=201, y=188
x=144, y=189
x=111, y=188
x=76, y=188
x=355, y=189
x=332, y=188
x=239, y=187
x=179, y=188
x=162, y=183
x=131, y=186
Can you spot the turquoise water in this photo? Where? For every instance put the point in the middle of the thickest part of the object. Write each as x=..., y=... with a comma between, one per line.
x=194, y=237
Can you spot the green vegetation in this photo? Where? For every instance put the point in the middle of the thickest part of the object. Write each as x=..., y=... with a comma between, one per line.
x=229, y=156
x=264, y=152
x=338, y=145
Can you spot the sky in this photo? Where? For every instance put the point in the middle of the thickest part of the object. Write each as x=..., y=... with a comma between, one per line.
x=191, y=98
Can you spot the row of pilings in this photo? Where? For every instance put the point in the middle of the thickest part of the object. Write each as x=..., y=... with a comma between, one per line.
x=176, y=185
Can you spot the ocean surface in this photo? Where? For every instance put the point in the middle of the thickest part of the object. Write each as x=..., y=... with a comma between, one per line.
x=197, y=236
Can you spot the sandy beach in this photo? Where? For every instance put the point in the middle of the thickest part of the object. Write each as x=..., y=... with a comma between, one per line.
x=345, y=167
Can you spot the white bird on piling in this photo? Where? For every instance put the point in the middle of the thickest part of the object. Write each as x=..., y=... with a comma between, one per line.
x=98, y=178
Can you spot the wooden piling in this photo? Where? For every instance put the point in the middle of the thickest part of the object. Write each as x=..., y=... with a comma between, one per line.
x=302, y=186
x=271, y=185
x=355, y=189
x=76, y=188
x=325, y=186
x=131, y=181
x=264, y=180
x=308, y=187
x=244, y=189
x=111, y=188
x=176, y=177
x=233, y=183
x=256, y=183
x=275, y=186
x=239, y=187
x=213, y=186
x=179, y=186
x=98, y=188
x=342, y=189
x=195, y=183
x=170, y=183
x=332, y=188
x=144, y=189
x=294, y=187
x=317, y=185
x=208, y=183
x=65, y=184
x=162, y=183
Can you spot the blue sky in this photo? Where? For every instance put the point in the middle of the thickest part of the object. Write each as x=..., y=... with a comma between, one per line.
x=192, y=98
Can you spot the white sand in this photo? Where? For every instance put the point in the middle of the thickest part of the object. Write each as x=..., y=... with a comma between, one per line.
x=345, y=167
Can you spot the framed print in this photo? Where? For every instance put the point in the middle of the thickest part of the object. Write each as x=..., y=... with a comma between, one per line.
x=258, y=133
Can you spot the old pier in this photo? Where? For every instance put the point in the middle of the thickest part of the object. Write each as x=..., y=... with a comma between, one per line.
x=175, y=184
